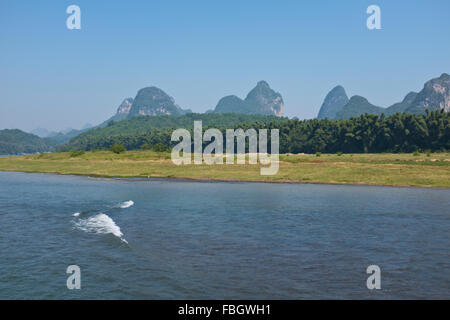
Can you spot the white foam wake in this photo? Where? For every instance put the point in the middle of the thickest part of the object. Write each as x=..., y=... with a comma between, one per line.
x=100, y=224
x=126, y=204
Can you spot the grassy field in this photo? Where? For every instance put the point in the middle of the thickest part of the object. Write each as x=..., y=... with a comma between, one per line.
x=370, y=169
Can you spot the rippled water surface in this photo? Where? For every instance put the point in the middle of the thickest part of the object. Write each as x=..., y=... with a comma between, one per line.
x=158, y=239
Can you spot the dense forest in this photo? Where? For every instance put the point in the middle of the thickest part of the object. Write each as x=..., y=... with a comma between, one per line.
x=401, y=132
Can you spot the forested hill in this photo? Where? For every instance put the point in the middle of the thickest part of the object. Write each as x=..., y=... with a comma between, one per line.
x=13, y=141
x=138, y=127
x=401, y=132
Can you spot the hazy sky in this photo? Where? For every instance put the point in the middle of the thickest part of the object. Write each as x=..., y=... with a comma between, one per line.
x=200, y=51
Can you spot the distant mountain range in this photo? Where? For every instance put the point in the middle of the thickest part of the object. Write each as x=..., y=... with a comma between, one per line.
x=435, y=95
x=152, y=101
x=122, y=111
x=45, y=133
x=260, y=100
x=335, y=100
x=149, y=101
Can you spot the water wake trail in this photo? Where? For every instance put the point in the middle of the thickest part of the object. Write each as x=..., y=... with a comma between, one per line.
x=126, y=204
x=100, y=224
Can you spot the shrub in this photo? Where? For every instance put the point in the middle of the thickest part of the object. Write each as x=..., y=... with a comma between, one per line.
x=428, y=153
x=74, y=154
x=145, y=146
x=118, y=148
x=159, y=147
x=318, y=154
x=416, y=153
x=339, y=154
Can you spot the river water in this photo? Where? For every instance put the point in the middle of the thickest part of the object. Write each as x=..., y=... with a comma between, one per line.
x=161, y=239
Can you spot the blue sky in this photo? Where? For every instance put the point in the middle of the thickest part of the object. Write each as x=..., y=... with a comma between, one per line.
x=200, y=51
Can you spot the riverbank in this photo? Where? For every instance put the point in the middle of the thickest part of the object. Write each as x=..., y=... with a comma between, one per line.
x=368, y=169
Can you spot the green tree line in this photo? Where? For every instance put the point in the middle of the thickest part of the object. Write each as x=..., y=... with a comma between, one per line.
x=401, y=132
